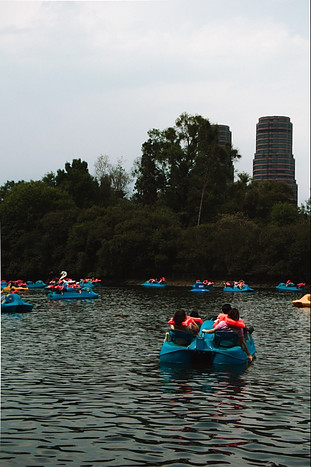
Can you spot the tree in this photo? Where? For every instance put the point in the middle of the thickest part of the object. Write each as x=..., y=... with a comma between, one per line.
x=180, y=164
x=25, y=224
x=283, y=214
x=260, y=197
x=78, y=183
x=113, y=179
x=305, y=209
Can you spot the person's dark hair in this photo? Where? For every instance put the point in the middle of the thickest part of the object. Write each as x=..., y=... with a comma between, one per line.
x=234, y=314
x=179, y=317
x=226, y=307
x=194, y=314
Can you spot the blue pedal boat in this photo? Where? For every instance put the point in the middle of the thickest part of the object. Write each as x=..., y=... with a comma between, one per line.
x=242, y=288
x=13, y=303
x=36, y=285
x=290, y=287
x=201, y=287
x=219, y=348
x=74, y=294
x=154, y=283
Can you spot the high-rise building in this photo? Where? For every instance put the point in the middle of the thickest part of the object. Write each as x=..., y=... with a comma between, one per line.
x=273, y=158
x=224, y=134
x=225, y=137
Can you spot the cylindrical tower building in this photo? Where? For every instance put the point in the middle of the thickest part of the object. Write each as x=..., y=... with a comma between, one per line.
x=273, y=158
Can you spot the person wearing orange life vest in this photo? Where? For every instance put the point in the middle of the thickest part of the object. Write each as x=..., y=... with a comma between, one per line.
x=182, y=322
x=234, y=324
x=224, y=313
x=223, y=316
x=196, y=318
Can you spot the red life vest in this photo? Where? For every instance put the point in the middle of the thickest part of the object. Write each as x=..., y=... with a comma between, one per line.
x=230, y=322
x=189, y=320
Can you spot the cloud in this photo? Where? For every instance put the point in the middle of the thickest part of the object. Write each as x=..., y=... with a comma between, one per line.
x=90, y=78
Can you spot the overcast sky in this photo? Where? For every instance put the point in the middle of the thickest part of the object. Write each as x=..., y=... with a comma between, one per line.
x=84, y=79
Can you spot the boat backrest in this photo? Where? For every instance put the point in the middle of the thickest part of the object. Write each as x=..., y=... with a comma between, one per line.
x=225, y=339
x=181, y=337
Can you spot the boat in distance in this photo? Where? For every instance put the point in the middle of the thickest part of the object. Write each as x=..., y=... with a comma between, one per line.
x=13, y=303
x=155, y=283
x=290, y=286
x=303, y=302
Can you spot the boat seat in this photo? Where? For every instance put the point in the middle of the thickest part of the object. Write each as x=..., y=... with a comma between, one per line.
x=225, y=339
x=181, y=337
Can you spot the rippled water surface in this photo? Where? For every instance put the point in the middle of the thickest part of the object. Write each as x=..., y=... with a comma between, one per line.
x=82, y=384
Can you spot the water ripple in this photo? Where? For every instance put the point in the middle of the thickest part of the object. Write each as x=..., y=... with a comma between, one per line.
x=82, y=385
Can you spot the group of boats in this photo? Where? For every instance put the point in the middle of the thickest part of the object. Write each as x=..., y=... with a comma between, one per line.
x=179, y=347
x=235, y=286
x=62, y=288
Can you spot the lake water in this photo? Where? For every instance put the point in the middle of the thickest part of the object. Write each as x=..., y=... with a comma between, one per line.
x=82, y=384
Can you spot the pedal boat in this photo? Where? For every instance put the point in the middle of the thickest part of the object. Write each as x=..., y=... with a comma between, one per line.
x=219, y=348
x=290, y=287
x=36, y=285
x=73, y=294
x=154, y=283
x=201, y=287
x=242, y=288
x=304, y=302
x=13, y=303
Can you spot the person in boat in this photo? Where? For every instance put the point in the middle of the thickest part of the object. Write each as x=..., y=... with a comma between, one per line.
x=224, y=313
x=232, y=323
x=182, y=322
x=195, y=315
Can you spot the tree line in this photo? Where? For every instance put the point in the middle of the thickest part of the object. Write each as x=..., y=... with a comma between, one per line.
x=184, y=217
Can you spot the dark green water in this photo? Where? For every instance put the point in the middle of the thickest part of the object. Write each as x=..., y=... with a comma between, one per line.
x=82, y=384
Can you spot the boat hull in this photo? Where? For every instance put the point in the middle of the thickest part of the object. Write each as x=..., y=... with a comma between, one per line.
x=289, y=288
x=200, y=287
x=68, y=295
x=36, y=285
x=304, y=302
x=244, y=288
x=154, y=284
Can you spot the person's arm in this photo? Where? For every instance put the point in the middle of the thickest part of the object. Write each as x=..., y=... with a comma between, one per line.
x=209, y=331
x=194, y=328
x=218, y=326
x=244, y=347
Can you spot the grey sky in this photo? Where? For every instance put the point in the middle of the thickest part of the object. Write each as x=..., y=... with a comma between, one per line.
x=81, y=79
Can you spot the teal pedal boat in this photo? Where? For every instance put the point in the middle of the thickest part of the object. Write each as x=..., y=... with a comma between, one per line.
x=242, y=288
x=74, y=294
x=200, y=286
x=36, y=285
x=13, y=303
x=219, y=348
x=156, y=284
x=291, y=287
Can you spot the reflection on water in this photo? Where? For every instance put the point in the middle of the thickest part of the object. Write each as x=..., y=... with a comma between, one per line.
x=82, y=384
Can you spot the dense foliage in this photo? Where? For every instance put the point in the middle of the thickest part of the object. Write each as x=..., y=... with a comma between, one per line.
x=186, y=218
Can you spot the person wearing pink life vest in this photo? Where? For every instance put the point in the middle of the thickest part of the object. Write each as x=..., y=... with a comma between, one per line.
x=223, y=316
x=232, y=322
x=182, y=322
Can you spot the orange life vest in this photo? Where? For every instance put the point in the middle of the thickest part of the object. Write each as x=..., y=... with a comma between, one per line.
x=189, y=320
x=230, y=322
